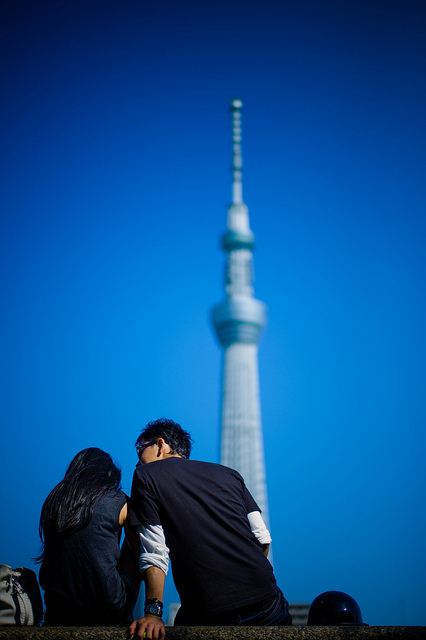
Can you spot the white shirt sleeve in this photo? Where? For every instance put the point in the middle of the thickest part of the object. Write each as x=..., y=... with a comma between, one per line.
x=153, y=549
x=258, y=527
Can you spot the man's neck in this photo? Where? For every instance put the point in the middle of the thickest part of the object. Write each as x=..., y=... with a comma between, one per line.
x=166, y=456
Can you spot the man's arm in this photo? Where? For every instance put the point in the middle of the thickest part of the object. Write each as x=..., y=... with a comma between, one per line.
x=154, y=583
x=258, y=528
x=153, y=564
x=153, y=555
x=256, y=522
x=150, y=624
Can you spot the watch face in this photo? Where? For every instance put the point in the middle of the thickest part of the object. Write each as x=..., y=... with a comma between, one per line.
x=154, y=609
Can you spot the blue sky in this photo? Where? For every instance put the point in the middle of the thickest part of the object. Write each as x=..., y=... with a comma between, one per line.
x=115, y=178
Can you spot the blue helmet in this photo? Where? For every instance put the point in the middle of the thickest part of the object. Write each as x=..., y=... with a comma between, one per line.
x=334, y=608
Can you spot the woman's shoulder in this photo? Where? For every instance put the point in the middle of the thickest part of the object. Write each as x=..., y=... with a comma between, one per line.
x=109, y=505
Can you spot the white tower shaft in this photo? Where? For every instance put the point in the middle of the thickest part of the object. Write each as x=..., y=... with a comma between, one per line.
x=241, y=442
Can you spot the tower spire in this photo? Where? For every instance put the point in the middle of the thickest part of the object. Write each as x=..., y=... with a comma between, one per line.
x=237, y=158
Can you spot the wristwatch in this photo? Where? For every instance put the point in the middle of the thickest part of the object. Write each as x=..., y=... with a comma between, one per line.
x=153, y=607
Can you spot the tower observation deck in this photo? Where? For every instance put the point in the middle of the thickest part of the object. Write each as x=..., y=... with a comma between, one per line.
x=238, y=321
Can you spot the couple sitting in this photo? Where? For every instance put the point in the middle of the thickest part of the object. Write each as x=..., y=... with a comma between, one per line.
x=199, y=514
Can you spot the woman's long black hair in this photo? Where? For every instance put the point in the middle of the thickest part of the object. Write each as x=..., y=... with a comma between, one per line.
x=69, y=506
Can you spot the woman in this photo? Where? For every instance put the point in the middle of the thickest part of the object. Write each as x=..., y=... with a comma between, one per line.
x=80, y=528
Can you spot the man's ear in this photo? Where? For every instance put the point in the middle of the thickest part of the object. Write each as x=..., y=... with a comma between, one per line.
x=160, y=445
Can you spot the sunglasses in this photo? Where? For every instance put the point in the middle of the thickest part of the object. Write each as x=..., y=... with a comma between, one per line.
x=141, y=446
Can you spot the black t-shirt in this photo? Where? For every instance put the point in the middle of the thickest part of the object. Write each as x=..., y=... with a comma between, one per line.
x=217, y=562
x=79, y=571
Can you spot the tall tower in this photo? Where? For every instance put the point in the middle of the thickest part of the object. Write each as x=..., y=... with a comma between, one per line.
x=238, y=322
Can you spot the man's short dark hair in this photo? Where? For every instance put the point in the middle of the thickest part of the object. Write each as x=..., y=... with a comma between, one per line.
x=178, y=440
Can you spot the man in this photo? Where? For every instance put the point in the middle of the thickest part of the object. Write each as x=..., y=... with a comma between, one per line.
x=203, y=517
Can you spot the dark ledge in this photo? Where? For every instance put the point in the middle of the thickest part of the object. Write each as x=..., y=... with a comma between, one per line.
x=218, y=633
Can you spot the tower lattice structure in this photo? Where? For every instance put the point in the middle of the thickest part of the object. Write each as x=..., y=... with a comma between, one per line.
x=238, y=321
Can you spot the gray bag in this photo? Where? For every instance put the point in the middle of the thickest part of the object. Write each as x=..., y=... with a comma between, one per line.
x=20, y=597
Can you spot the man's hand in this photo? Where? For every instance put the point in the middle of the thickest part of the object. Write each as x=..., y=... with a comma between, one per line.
x=148, y=627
